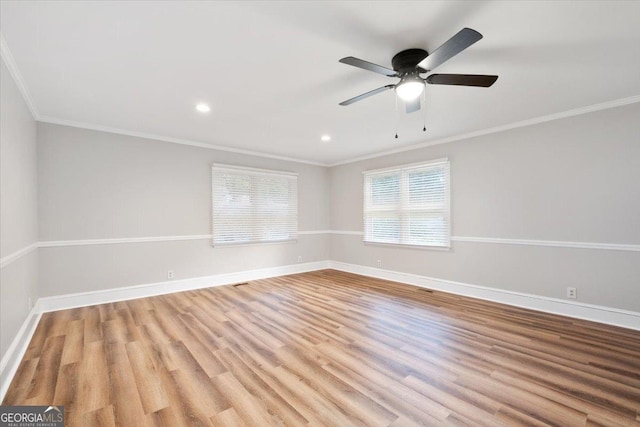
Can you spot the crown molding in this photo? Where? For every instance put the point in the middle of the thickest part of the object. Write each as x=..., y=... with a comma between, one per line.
x=152, y=136
x=10, y=62
x=523, y=123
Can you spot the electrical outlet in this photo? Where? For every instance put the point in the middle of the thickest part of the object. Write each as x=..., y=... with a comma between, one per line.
x=572, y=293
x=170, y=274
x=379, y=263
x=299, y=258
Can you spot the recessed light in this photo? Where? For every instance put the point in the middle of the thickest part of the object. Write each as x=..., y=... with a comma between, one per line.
x=325, y=138
x=203, y=108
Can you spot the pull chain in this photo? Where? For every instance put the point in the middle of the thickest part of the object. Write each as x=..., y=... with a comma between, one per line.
x=424, y=108
x=396, y=116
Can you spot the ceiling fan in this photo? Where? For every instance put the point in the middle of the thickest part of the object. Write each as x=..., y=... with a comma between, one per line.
x=410, y=63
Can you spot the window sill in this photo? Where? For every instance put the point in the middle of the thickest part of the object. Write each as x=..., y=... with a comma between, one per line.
x=405, y=246
x=239, y=244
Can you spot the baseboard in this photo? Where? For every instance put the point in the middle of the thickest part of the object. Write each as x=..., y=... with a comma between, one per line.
x=13, y=356
x=62, y=302
x=595, y=313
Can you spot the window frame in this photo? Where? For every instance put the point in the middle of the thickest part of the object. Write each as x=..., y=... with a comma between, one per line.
x=402, y=208
x=253, y=173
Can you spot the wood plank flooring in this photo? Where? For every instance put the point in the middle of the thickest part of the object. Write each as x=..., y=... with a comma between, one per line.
x=328, y=349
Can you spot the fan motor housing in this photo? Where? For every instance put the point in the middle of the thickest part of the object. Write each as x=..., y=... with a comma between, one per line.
x=407, y=61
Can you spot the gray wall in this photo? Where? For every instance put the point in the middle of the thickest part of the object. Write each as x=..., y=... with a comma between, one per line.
x=18, y=208
x=572, y=180
x=98, y=185
x=575, y=179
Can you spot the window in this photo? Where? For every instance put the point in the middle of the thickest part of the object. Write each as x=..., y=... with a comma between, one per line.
x=253, y=205
x=408, y=205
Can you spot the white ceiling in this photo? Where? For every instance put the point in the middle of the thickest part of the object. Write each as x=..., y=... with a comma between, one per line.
x=270, y=70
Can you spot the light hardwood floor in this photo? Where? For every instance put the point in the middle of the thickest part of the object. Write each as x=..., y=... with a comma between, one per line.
x=328, y=349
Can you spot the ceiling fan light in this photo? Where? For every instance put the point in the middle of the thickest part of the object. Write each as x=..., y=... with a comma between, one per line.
x=410, y=89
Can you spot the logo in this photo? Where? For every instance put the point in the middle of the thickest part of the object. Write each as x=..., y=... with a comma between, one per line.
x=31, y=416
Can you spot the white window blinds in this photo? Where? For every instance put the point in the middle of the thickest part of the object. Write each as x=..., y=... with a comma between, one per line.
x=408, y=205
x=253, y=206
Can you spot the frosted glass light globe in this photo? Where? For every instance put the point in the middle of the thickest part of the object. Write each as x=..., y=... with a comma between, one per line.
x=409, y=90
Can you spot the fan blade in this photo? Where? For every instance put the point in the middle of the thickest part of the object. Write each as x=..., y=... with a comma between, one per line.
x=462, y=79
x=350, y=60
x=456, y=44
x=412, y=106
x=367, y=94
